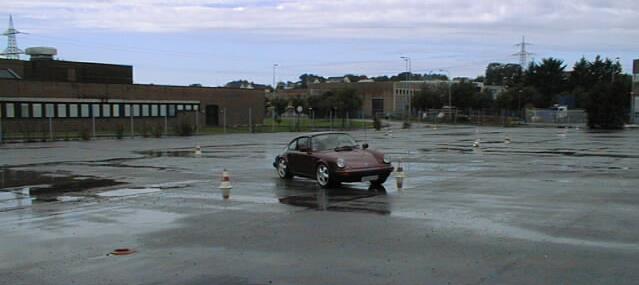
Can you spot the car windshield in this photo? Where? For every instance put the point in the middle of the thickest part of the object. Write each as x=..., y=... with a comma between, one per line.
x=332, y=141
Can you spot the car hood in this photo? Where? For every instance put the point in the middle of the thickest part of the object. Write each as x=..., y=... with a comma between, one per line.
x=356, y=158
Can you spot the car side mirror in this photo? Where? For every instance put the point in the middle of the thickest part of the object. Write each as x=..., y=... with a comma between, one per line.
x=364, y=146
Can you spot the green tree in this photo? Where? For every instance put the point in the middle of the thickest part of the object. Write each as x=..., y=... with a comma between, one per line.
x=581, y=76
x=347, y=101
x=607, y=105
x=549, y=79
x=306, y=79
x=484, y=101
x=464, y=95
x=501, y=74
x=430, y=97
x=279, y=104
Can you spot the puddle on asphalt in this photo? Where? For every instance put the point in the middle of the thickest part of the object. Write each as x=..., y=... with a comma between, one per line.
x=128, y=192
x=342, y=200
x=191, y=153
x=44, y=187
x=169, y=153
x=16, y=199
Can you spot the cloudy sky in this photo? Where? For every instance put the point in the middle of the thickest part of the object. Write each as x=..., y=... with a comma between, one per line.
x=215, y=41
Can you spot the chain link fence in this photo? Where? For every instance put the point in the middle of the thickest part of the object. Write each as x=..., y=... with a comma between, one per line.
x=555, y=117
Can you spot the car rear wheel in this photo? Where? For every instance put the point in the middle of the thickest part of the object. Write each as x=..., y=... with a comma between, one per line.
x=323, y=176
x=282, y=169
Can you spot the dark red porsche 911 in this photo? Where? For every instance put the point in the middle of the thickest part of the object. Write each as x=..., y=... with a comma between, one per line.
x=331, y=158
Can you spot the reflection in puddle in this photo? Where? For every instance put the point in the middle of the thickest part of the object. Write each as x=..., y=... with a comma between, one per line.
x=16, y=199
x=48, y=186
x=207, y=153
x=342, y=200
x=128, y=192
x=170, y=153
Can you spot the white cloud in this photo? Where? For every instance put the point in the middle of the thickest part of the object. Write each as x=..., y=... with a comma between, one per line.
x=372, y=19
x=575, y=26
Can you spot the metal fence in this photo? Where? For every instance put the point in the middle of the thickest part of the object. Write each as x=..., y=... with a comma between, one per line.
x=475, y=117
x=555, y=117
x=50, y=129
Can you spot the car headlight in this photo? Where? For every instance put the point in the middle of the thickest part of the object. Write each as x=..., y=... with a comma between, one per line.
x=340, y=163
x=387, y=160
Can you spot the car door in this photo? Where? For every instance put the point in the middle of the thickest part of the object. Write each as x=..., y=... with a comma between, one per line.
x=305, y=159
x=298, y=159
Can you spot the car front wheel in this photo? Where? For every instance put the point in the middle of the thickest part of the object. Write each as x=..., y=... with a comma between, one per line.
x=380, y=180
x=282, y=169
x=323, y=176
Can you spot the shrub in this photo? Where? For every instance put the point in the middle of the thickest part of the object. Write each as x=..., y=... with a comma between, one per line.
x=119, y=131
x=157, y=131
x=85, y=135
x=377, y=123
x=145, y=131
x=184, y=128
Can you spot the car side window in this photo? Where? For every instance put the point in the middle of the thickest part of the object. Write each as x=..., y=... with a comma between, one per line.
x=302, y=142
x=293, y=145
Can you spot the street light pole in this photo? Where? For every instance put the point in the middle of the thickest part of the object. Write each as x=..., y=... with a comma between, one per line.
x=274, y=86
x=408, y=72
x=450, y=100
x=632, y=108
x=612, y=70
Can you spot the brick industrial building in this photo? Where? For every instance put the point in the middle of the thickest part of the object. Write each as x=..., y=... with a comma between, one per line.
x=382, y=98
x=73, y=95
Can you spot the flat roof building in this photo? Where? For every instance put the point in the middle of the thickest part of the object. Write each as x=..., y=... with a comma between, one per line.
x=100, y=97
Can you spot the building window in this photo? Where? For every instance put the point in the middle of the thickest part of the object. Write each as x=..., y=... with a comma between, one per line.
x=145, y=110
x=196, y=107
x=62, y=110
x=188, y=107
x=180, y=107
x=73, y=110
x=84, y=110
x=171, y=110
x=163, y=110
x=24, y=110
x=127, y=110
x=36, y=110
x=136, y=110
x=95, y=110
x=116, y=110
x=49, y=110
x=106, y=110
x=10, y=110
x=154, y=110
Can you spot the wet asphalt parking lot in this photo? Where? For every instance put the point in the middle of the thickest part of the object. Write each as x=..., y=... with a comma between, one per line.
x=555, y=206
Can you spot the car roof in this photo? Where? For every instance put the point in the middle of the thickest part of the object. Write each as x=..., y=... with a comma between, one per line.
x=314, y=134
x=320, y=133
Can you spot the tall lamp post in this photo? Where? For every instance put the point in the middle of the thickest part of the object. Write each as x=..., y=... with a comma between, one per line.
x=612, y=70
x=274, y=86
x=632, y=107
x=408, y=72
x=450, y=100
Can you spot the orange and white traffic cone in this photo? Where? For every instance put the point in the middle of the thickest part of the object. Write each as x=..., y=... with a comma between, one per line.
x=225, y=185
